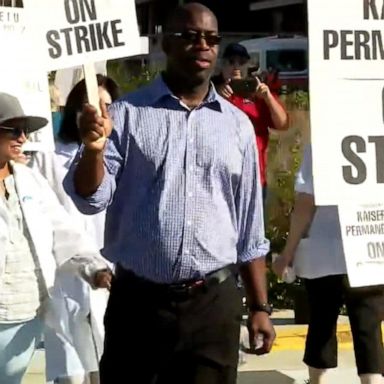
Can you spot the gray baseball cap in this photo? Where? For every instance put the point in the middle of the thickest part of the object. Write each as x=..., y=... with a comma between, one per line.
x=13, y=116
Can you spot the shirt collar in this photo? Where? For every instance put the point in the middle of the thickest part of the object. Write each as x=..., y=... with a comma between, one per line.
x=160, y=90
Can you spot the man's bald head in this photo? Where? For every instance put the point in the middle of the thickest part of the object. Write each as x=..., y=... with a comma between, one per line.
x=184, y=13
x=191, y=44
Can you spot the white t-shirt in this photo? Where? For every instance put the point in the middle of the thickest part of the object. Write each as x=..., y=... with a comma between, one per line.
x=321, y=253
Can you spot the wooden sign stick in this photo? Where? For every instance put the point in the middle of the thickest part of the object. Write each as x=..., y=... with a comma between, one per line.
x=92, y=87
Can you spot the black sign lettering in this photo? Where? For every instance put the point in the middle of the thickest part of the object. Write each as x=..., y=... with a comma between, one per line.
x=345, y=44
x=72, y=11
x=92, y=36
x=379, y=147
x=116, y=32
x=88, y=10
x=375, y=250
x=9, y=17
x=80, y=10
x=354, y=159
x=78, y=39
x=55, y=50
x=357, y=172
x=66, y=32
x=377, y=45
x=354, y=45
x=102, y=35
x=331, y=40
x=87, y=38
x=362, y=44
x=82, y=42
x=371, y=10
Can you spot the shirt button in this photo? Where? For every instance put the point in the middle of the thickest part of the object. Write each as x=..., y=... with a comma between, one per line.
x=191, y=140
x=190, y=194
x=189, y=223
x=191, y=168
x=186, y=252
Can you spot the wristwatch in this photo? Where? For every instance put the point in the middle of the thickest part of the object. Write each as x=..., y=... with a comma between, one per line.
x=265, y=307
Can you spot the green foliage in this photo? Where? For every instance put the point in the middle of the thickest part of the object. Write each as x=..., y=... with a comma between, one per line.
x=284, y=159
x=129, y=80
x=297, y=100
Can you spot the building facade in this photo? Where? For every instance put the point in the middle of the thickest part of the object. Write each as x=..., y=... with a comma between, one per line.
x=238, y=20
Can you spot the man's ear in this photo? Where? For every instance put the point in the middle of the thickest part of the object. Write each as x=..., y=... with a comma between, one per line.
x=166, y=44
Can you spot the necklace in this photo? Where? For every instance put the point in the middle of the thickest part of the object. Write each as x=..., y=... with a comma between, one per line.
x=3, y=190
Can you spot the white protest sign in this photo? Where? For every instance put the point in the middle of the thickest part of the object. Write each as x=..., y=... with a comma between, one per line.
x=32, y=90
x=17, y=49
x=75, y=32
x=362, y=229
x=346, y=41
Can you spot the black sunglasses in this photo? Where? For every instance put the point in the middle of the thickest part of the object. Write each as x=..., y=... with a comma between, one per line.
x=194, y=37
x=15, y=132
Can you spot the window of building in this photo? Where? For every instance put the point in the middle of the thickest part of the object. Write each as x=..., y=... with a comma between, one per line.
x=288, y=60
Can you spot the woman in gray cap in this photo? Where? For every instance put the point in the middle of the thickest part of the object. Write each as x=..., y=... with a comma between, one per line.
x=36, y=237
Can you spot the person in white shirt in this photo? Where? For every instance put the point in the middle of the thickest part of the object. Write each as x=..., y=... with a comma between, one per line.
x=37, y=238
x=77, y=361
x=319, y=260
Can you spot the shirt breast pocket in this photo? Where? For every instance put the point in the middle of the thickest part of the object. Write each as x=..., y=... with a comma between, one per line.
x=205, y=155
x=220, y=153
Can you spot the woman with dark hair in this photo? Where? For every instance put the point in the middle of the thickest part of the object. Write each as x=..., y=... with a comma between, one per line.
x=75, y=360
x=108, y=91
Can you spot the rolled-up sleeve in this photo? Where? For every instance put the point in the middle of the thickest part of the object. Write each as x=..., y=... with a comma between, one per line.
x=114, y=155
x=249, y=204
x=304, y=178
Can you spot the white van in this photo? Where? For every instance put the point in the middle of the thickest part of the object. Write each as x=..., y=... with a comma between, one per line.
x=288, y=55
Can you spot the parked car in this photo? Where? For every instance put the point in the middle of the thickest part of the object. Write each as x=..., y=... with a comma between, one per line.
x=286, y=55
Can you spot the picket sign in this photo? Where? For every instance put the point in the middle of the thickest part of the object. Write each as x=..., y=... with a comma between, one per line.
x=346, y=51
x=83, y=32
x=21, y=73
x=362, y=230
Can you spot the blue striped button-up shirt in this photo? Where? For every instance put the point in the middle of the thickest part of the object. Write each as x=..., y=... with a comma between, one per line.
x=181, y=186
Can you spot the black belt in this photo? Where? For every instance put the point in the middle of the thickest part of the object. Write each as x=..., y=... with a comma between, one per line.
x=178, y=291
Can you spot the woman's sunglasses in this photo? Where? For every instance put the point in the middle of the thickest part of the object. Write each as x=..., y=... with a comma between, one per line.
x=194, y=37
x=15, y=132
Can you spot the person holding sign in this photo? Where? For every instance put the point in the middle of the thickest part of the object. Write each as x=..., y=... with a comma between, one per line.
x=253, y=97
x=319, y=260
x=176, y=167
x=76, y=361
x=36, y=237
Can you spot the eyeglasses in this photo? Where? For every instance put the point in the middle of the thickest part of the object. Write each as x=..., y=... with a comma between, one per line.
x=194, y=37
x=15, y=132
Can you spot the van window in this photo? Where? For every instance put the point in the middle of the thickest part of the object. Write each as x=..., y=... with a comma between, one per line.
x=255, y=59
x=288, y=60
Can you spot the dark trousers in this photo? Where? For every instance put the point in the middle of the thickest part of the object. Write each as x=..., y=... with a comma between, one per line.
x=151, y=338
x=326, y=296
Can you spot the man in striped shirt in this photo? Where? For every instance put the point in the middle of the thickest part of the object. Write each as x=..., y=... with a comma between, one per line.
x=179, y=177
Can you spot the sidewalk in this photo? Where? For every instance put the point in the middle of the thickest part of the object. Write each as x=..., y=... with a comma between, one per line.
x=283, y=366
